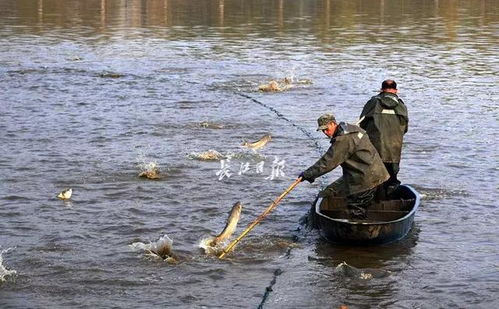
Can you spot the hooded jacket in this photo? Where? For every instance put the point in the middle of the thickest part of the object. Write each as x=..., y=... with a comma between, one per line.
x=386, y=121
x=361, y=164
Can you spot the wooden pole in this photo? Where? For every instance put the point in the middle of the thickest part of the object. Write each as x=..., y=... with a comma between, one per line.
x=260, y=218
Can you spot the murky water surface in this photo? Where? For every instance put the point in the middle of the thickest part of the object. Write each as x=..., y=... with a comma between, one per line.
x=91, y=92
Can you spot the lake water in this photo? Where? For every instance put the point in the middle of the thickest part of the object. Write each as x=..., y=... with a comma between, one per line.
x=93, y=91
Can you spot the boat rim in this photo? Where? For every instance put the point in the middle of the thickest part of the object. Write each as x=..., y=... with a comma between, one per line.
x=416, y=205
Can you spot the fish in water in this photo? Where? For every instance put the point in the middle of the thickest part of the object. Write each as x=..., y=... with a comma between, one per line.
x=161, y=248
x=215, y=245
x=277, y=85
x=151, y=171
x=210, y=155
x=230, y=226
x=355, y=273
x=211, y=125
x=270, y=87
x=66, y=194
x=110, y=75
x=154, y=174
x=259, y=144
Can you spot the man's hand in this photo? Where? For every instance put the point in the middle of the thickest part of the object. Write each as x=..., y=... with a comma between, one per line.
x=302, y=175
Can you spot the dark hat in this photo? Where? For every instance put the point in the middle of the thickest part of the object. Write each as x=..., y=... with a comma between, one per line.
x=388, y=84
x=324, y=120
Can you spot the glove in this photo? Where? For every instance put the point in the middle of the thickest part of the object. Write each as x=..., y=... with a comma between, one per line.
x=302, y=175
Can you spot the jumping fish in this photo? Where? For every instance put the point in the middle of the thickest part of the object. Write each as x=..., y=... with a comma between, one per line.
x=66, y=194
x=162, y=248
x=215, y=245
x=230, y=226
x=259, y=144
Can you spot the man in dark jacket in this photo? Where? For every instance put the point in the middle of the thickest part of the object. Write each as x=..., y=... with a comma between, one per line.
x=363, y=170
x=385, y=120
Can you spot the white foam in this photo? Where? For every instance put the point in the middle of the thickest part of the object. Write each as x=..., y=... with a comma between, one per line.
x=146, y=166
x=210, y=155
x=4, y=272
x=216, y=250
x=163, y=244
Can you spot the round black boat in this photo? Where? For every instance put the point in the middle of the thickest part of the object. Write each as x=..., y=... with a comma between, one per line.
x=387, y=220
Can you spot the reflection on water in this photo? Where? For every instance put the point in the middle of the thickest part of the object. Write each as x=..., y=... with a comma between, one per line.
x=92, y=93
x=330, y=16
x=383, y=256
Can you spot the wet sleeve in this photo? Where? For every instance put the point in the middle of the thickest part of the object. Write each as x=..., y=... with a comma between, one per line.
x=367, y=111
x=406, y=125
x=405, y=118
x=368, y=108
x=336, y=154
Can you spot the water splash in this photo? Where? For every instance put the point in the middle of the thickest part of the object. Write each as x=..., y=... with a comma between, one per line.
x=148, y=168
x=439, y=193
x=349, y=271
x=276, y=85
x=209, y=249
x=4, y=272
x=162, y=248
x=210, y=155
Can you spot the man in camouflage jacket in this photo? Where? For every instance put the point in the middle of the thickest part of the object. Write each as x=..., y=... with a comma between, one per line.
x=363, y=170
x=385, y=120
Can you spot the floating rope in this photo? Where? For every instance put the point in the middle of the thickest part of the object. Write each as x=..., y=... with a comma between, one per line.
x=280, y=115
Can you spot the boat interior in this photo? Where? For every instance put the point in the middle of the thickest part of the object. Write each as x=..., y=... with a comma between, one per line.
x=399, y=205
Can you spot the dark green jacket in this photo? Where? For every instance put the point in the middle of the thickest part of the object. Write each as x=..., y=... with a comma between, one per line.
x=386, y=121
x=361, y=164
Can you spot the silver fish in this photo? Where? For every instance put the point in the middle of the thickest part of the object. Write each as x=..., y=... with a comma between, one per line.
x=66, y=194
x=230, y=226
x=258, y=144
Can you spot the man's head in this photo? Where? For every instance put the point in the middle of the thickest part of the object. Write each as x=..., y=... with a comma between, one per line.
x=389, y=85
x=327, y=124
